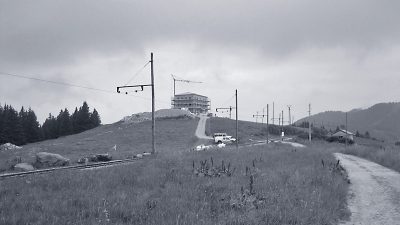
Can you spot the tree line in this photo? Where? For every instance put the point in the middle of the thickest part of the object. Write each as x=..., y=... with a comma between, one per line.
x=22, y=127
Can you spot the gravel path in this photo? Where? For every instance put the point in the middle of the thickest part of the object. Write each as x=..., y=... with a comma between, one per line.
x=374, y=192
x=201, y=128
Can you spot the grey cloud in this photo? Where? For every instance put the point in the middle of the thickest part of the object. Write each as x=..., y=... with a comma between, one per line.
x=50, y=31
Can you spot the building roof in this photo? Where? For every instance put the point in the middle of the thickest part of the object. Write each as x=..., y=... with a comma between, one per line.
x=344, y=131
x=190, y=93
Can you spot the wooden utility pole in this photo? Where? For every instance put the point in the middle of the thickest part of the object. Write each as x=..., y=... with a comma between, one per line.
x=290, y=117
x=347, y=131
x=237, y=124
x=267, y=122
x=153, y=119
x=282, y=126
x=309, y=122
x=273, y=113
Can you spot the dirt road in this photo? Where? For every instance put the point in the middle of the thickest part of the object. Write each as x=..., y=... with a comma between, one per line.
x=201, y=128
x=374, y=192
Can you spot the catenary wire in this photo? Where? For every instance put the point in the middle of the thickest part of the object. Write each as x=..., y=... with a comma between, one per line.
x=72, y=85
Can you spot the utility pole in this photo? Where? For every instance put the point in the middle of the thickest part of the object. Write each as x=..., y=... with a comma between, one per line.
x=237, y=124
x=153, y=119
x=309, y=122
x=290, y=117
x=273, y=113
x=282, y=127
x=141, y=86
x=347, y=131
x=267, y=122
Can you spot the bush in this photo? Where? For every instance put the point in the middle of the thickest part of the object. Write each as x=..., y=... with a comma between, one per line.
x=339, y=140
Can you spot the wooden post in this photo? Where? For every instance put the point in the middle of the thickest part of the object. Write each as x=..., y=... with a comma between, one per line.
x=237, y=124
x=267, y=122
x=153, y=119
x=309, y=122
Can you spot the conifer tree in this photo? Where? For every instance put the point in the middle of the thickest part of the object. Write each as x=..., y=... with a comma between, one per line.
x=95, y=119
x=50, y=128
x=74, y=121
x=64, y=123
x=32, y=127
x=83, y=118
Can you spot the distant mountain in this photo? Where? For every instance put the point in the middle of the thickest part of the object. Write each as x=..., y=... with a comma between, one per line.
x=381, y=120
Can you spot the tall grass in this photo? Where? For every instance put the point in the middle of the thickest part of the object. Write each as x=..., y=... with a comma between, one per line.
x=293, y=185
x=388, y=156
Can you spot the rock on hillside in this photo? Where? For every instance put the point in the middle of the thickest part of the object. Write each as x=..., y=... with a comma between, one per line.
x=45, y=159
x=159, y=114
x=8, y=146
x=23, y=167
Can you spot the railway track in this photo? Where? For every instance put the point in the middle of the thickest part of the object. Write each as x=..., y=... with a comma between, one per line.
x=77, y=167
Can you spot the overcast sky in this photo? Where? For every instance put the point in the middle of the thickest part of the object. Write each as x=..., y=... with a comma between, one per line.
x=336, y=55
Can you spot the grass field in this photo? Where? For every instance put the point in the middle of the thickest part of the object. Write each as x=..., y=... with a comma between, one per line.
x=289, y=187
x=171, y=135
x=386, y=155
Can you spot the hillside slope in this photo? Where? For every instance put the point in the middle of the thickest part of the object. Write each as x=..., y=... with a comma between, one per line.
x=381, y=120
x=172, y=136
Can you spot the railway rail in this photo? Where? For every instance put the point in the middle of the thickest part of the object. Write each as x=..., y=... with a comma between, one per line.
x=79, y=167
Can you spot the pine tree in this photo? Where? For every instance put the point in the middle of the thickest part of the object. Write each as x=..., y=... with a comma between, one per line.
x=74, y=121
x=95, y=119
x=64, y=123
x=11, y=125
x=50, y=128
x=32, y=127
x=22, y=127
x=83, y=119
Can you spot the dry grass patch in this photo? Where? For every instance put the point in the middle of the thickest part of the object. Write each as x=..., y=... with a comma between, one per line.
x=388, y=156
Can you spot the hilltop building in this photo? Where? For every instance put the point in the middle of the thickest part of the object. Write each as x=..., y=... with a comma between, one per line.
x=190, y=101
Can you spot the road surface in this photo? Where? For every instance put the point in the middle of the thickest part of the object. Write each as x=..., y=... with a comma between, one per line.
x=374, y=192
x=201, y=128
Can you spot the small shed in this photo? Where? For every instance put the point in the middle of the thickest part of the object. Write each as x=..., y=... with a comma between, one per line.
x=344, y=134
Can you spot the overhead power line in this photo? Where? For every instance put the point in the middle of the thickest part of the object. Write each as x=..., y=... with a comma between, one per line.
x=137, y=73
x=54, y=82
x=71, y=85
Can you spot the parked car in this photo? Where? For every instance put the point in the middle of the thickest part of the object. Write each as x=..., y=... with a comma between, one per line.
x=223, y=138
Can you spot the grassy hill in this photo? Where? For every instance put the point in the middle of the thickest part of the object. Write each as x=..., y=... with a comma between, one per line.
x=381, y=120
x=172, y=135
